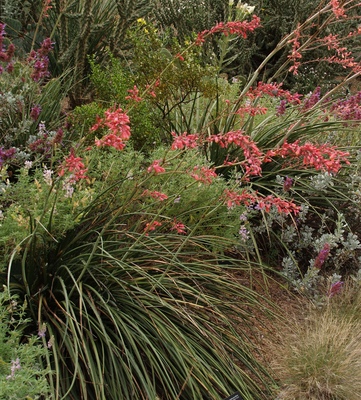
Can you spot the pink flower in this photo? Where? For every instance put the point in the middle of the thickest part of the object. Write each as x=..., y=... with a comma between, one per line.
x=252, y=154
x=273, y=90
x=203, y=174
x=75, y=166
x=179, y=56
x=240, y=28
x=156, y=167
x=117, y=122
x=263, y=203
x=287, y=184
x=110, y=140
x=322, y=256
x=295, y=54
x=179, y=227
x=321, y=156
x=184, y=141
x=337, y=9
x=151, y=226
x=156, y=195
x=35, y=112
x=134, y=94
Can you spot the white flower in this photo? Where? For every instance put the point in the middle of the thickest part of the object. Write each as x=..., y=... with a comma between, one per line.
x=245, y=8
x=47, y=173
x=28, y=164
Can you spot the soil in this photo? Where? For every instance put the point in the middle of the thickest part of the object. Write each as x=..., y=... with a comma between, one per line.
x=290, y=309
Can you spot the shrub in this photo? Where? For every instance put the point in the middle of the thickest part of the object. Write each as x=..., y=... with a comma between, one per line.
x=125, y=256
x=22, y=374
x=320, y=359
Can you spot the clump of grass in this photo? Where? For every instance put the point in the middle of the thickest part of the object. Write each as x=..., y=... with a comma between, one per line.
x=321, y=358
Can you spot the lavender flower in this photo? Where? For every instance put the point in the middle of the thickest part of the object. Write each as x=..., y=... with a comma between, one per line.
x=243, y=232
x=287, y=184
x=281, y=109
x=35, y=112
x=15, y=365
x=42, y=331
x=335, y=288
x=322, y=256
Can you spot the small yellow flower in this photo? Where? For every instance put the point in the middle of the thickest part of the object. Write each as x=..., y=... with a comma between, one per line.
x=141, y=21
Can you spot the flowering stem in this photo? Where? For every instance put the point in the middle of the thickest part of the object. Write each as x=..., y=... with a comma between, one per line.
x=279, y=46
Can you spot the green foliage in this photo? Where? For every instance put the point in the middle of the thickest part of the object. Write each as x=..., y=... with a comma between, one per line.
x=111, y=85
x=130, y=258
x=19, y=95
x=79, y=29
x=22, y=375
x=38, y=201
x=158, y=58
x=186, y=17
x=157, y=305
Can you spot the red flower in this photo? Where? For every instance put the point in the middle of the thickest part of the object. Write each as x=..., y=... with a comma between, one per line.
x=117, y=122
x=184, y=141
x=156, y=167
x=203, y=174
x=151, y=226
x=179, y=227
x=134, y=94
x=262, y=203
x=75, y=166
x=156, y=195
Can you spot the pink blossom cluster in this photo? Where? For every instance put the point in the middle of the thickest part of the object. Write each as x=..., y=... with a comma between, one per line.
x=184, y=141
x=203, y=174
x=273, y=90
x=320, y=156
x=134, y=95
x=246, y=198
x=35, y=112
x=117, y=122
x=252, y=154
x=348, y=109
x=179, y=227
x=151, y=226
x=47, y=7
x=156, y=167
x=156, y=195
x=338, y=9
x=342, y=55
x=249, y=109
x=176, y=225
x=75, y=166
x=6, y=55
x=312, y=99
x=6, y=154
x=40, y=61
x=295, y=55
x=335, y=288
x=44, y=144
x=240, y=28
